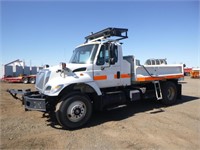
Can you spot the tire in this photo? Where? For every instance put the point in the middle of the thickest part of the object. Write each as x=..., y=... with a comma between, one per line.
x=74, y=111
x=32, y=80
x=25, y=80
x=169, y=93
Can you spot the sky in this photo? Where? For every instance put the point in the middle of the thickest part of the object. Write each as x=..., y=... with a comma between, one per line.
x=47, y=31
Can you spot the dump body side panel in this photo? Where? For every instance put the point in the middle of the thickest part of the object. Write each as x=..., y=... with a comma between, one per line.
x=158, y=72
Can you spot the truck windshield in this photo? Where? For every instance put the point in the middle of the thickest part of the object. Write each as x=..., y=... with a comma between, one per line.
x=84, y=54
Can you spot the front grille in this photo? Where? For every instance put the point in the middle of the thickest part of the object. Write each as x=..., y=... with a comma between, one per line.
x=42, y=78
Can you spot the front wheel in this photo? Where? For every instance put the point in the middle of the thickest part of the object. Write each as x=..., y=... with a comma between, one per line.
x=169, y=92
x=74, y=111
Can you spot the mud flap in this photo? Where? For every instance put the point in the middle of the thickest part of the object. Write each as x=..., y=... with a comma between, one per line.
x=179, y=91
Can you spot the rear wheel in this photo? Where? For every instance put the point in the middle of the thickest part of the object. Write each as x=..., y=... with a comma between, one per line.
x=32, y=80
x=74, y=111
x=169, y=92
x=25, y=80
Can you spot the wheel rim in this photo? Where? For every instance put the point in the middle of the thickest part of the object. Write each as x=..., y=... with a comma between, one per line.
x=170, y=93
x=25, y=80
x=76, y=111
x=32, y=81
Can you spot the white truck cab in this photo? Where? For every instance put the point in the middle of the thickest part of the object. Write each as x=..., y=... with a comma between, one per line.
x=98, y=76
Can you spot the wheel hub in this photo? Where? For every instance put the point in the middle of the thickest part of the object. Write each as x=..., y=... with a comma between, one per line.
x=76, y=111
x=171, y=93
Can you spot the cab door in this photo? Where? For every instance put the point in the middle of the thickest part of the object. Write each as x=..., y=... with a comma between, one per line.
x=107, y=67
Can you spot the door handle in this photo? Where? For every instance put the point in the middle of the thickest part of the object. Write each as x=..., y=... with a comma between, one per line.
x=118, y=74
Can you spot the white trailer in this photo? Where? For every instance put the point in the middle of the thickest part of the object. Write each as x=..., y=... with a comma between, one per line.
x=98, y=76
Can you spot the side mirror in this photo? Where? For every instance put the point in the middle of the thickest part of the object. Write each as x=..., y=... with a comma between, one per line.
x=112, y=61
x=112, y=54
x=46, y=66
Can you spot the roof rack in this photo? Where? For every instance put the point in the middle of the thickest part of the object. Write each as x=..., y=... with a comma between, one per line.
x=108, y=32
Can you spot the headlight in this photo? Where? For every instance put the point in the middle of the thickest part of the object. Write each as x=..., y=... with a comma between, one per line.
x=50, y=89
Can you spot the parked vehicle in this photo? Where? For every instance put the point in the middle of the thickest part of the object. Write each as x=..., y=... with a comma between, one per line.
x=187, y=71
x=97, y=77
x=17, y=72
x=21, y=79
x=195, y=73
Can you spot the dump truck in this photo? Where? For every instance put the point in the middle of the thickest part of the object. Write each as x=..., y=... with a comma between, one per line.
x=97, y=77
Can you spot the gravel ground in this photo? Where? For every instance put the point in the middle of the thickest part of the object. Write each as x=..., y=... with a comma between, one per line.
x=141, y=125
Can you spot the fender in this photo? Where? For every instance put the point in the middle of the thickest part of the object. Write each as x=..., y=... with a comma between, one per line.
x=95, y=87
x=70, y=82
x=90, y=84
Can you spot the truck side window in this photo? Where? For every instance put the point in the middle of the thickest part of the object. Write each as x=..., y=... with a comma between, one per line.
x=115, y=55
x=104, y=55
x=100, y=58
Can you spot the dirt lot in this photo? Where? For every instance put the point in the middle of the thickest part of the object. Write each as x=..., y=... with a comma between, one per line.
x=142, y=125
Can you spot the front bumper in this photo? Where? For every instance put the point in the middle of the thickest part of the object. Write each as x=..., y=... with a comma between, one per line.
x=32, y=100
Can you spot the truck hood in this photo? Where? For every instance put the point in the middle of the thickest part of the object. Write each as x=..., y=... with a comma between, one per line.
x=53, y=76
x=78, y=67
x=72, y=67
